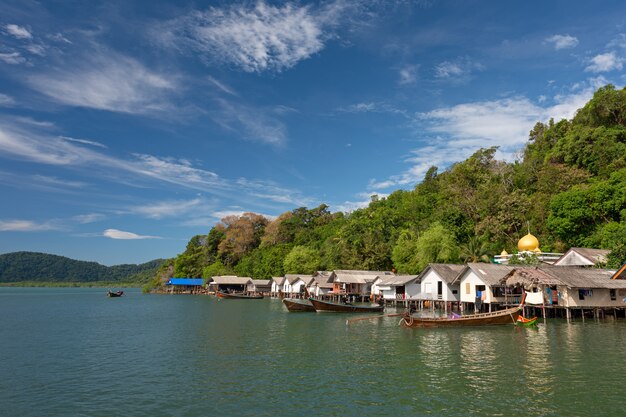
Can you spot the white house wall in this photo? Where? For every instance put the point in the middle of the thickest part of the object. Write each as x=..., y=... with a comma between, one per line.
x=429, y=287
x=601, y=297
x=473, y=280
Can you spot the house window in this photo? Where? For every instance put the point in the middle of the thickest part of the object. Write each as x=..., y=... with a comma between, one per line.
x=467, y=288
x=613, y=295
x=581, y=294
x=455, y=292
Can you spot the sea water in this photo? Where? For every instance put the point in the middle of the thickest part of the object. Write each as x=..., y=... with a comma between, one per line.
x=76, y=352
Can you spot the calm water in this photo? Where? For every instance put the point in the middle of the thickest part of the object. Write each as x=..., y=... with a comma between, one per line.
x=75, y=352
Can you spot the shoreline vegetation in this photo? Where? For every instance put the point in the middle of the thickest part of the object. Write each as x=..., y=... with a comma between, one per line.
x=566, y=186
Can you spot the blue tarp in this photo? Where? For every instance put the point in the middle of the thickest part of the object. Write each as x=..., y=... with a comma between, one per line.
x=185, y=281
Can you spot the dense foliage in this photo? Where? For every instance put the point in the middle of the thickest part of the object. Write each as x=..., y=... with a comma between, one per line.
x=568, y=187
x=41, y=267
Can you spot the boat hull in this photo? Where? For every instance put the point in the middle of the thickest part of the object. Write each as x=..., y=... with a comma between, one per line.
x=325, y=306
x=508, y=316
x=298, y=305
x=524, y=322
x=115, y=294
x=235, y=296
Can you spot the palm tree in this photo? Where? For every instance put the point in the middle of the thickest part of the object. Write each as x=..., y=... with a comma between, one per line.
x=474, y=250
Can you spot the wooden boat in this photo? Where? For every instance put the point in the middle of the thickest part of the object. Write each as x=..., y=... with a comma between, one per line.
x=326, y=306
x=298, y=304
x=238, y=295
x=523, y=321
x=508, y=316
x=115, y=293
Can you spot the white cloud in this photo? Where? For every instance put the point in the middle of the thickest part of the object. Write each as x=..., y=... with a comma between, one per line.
x=54, y=181
x=6, y=101
x=605, y=62
x=373, y=107
x=167, y=208
x=88, y=218
x=618, y=42
x=254, y=38
x=18, y=32
x=253, y=123
x=84, y=141
x=408, y=74
x=26, y=226
x=120, y=234
x=563, y=41
x=458, y=70
x=365, y=200
x=106, y=81
x=12, y=58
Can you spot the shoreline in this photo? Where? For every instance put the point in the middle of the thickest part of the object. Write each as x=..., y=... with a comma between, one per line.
x=52, y=284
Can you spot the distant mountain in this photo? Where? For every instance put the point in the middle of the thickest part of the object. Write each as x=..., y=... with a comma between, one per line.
x=43, y=267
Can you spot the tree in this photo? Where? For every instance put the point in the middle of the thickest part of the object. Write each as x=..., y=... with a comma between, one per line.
x=242, y=234
x=412, y=254
x=301, y=260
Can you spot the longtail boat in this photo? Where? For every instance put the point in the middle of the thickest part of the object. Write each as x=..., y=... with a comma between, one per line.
x=508, y=316
x=298, y=304
x=238, y=295
x=326, y=306
x=523, y=321
x=115, y=293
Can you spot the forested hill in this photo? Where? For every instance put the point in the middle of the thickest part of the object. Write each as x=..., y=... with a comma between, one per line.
x=568, y=188
x=42, y=267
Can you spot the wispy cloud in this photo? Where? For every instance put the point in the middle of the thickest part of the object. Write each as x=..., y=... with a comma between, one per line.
x=6, y=101
x=28, y=140
x=122, y=235
x=27, y=226
x=373, y=107
x=458, y=70
x=563, y=41
x=257, y=38
x=251, y=123
x=167, y=208
x=18, y=32
x=89, y=218
x=106, y=80
x=84, y=141
x=408, y=74
x=12, y=58
x=364, y=200
x=606, y=62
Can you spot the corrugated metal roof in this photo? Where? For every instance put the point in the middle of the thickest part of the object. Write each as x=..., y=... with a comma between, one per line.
x=185, y=281
x=397, y=280
x=359, y=277
x=594, y=256
x=295, y=277
x=491, y=274
x=278, y=280
x=447, y=272
x=264, y=282
x=575, y=277
x=231, y=280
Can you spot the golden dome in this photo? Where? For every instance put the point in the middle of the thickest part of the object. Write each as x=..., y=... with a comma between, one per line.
x=528, y=243
x=537, y=250
x=504, y=252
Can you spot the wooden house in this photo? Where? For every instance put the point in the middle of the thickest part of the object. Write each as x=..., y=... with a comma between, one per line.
x=356, y=283
x=481, y=286
x=438, y=282
x=396, y=287
x=276, y=286
x=185, y=286
x=583, y=257
x=620, y=273
x=230, y=283
x=321, y=283
x=295, y=284
x=260, y=286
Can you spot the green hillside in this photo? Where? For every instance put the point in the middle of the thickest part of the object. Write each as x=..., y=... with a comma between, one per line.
x=568, y=187
x=42, y=267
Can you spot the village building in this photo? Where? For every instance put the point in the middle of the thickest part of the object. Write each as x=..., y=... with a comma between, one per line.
x=481, y=287
x=185, y=286
x=276, y=286
x=321, y=283
x=620, y=273
x=356, y=284
x=438, y=282
x=528, y=246
x=583, y=257
x=570, y=288
x=260, y=286
x=396, y=287
x=230, y=283
x=295, y=284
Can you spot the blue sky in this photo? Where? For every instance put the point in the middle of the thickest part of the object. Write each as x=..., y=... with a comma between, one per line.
x=127, y=127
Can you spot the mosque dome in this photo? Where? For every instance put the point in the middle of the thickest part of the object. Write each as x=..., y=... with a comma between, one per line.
x=528, y=243
x=504, y=253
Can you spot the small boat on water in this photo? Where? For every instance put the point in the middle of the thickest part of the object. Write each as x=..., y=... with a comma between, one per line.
x=327, y=306
x=508, y=316
x=238, y=295
x=523, y=321
x=298, y=304
x=115, y=293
